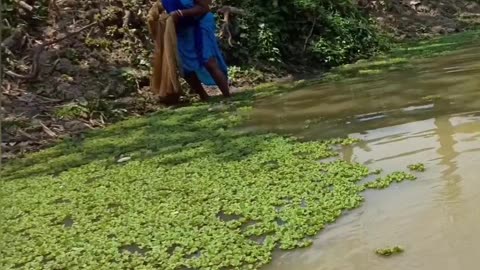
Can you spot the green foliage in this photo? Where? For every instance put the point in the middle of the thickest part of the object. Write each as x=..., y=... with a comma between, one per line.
x=245, y=75
x=8, y=10
x=130, y=77
x=389, y=251
x=72, y=111
x=189, y=192
x=404, y=56
x=13, y=16
x=320, y=32
x=101, y=43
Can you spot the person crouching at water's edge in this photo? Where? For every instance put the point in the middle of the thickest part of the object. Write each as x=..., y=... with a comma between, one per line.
x=198, y=49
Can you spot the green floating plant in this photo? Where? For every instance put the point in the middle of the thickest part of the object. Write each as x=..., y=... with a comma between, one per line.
x=418, y=167
x=386, y=252
x=195, y=194
x=384, y=182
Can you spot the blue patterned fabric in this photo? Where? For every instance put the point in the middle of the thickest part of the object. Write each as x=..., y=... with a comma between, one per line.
x=197, y=42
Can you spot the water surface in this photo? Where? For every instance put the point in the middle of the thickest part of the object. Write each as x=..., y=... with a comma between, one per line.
x=428, y=114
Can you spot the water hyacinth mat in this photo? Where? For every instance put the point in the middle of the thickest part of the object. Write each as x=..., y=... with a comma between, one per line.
x=189, y=193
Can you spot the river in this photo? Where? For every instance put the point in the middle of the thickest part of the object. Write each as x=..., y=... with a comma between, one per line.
x=430, y=114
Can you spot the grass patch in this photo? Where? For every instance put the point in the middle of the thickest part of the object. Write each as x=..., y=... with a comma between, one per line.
x=403, y=56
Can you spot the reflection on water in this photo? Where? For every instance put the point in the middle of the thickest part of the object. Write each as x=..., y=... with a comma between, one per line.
x=430, y=114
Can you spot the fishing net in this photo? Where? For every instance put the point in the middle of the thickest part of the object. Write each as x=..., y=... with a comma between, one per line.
x=164, y=81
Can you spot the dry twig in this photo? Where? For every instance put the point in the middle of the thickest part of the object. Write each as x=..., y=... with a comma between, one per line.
x=48, y=130
x=310, y=34
x=25, y=6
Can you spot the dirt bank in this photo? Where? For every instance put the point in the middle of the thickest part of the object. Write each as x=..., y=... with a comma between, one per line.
x=100, y=75
x=407, y=19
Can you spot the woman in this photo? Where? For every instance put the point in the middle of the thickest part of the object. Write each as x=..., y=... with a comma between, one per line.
x=202, y=60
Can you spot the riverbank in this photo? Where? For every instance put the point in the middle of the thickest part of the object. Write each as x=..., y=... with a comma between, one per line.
x=101, y=75
x=181, y=189
x=37, y=123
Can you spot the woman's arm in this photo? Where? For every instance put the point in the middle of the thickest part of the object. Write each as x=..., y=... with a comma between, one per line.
x=201, y=8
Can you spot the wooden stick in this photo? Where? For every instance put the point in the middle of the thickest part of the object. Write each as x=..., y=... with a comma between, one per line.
x=48, y=130
x=309, y=35
x=25, y=6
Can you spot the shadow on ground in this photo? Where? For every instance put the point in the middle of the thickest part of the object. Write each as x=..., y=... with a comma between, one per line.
x=165, y=132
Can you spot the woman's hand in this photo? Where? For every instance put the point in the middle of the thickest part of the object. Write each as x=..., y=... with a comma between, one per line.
x=200, y=8
x=175, y=15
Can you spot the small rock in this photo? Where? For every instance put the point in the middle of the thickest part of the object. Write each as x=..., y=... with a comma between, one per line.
x=219, y=108
x=64, y=66
x=63, y=87
x=75, y=126
x=119, y=89
x=82, y=101
x=70, y=3
x=415, y=2
x=93, y=63
x=115, y=89
x=125, y=101
x=6, y=101
x=89, y=95
x=438, y=29
x=423, y=8
x=45, y=57
x=8, y=155
x=68, y=91
x=450, y=30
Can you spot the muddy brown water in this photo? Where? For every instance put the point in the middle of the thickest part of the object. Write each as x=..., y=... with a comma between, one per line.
x=428, y=114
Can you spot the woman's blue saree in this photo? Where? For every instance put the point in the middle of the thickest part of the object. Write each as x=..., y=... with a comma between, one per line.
x=197, y=42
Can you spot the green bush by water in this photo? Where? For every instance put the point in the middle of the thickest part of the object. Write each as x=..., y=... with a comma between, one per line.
x=320, y=32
